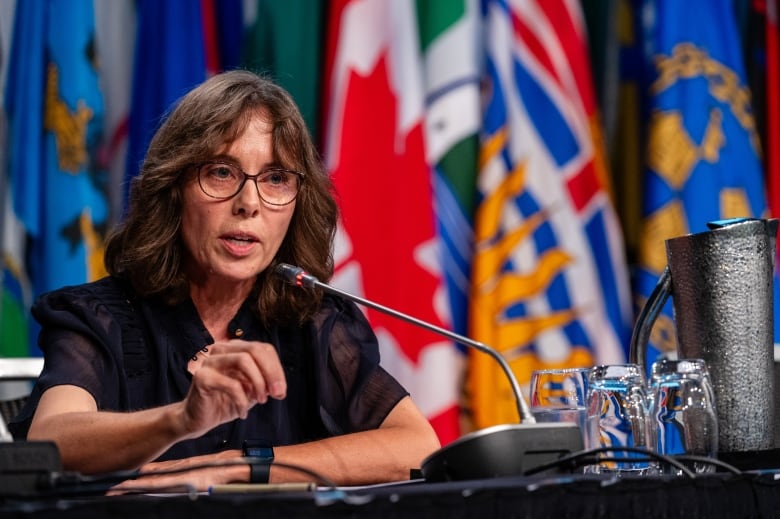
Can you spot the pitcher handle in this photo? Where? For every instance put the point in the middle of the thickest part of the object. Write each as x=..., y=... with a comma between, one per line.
x=640, y=337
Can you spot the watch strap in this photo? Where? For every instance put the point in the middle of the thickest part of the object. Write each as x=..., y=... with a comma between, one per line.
x=259, y=471
x=260, y=456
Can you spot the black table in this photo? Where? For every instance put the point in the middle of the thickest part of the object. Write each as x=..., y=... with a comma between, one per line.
x=576, y=496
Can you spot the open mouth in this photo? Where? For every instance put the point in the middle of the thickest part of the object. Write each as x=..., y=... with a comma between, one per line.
x=240, y=240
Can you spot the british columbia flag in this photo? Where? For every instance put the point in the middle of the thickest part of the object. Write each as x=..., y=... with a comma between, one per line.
x=549, y=280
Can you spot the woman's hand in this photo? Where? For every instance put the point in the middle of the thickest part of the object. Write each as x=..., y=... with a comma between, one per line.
x=216, y=469
x=232, y=379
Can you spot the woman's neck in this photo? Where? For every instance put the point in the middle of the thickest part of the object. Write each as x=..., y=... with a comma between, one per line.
x=218, y=304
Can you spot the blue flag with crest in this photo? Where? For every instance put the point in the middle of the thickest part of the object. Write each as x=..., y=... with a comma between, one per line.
x=703, y=157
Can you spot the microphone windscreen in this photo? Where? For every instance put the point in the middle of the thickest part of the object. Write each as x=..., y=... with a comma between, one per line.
x=289, y=273
x=295, y=275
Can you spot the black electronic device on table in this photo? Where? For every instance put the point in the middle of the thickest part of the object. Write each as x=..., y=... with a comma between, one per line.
x=27, y=467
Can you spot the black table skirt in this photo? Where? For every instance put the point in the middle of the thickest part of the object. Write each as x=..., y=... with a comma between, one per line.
x=576, y=497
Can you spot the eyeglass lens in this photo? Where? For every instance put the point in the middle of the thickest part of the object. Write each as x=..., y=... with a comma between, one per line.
x=276, y=186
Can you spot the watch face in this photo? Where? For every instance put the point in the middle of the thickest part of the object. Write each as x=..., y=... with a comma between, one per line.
x=265, y=453
x=258, y=449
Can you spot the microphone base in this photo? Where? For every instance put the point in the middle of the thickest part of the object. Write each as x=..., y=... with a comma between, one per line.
x=503, y=451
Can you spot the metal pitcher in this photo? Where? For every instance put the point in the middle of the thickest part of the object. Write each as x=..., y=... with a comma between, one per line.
x=720, y=281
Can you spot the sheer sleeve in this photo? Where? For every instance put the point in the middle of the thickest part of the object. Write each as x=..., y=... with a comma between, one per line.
x=355, y=392
x=80, y=342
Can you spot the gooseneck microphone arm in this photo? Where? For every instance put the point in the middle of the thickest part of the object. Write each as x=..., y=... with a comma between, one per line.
x=299, y=277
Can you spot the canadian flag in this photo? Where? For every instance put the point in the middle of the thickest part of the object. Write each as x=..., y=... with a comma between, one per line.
x=387, y=247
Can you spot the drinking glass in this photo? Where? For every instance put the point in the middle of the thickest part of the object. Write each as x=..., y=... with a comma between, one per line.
x=559, y=395
x=618, y=416
x=683, y=411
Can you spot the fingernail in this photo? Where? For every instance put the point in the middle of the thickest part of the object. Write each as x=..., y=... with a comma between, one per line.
x=277, y=389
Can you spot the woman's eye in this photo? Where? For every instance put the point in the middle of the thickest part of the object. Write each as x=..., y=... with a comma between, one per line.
x=276, y=177
x=223, y=172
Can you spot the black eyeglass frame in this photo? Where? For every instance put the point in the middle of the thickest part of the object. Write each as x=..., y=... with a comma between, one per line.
x=247, y=176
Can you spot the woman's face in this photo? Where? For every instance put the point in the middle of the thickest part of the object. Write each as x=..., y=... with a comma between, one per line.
x=232, y=241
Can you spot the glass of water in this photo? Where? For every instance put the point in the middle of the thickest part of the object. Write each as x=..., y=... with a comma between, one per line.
x=559, y=395
x=683, y=411
x=618, y=416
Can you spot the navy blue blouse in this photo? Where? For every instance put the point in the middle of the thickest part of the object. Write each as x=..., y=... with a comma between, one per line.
x=132, y=354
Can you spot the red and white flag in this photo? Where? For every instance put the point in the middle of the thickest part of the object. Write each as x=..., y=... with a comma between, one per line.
x=387, y=248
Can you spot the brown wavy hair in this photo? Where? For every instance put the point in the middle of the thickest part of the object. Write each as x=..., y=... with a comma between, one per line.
x=146, y=248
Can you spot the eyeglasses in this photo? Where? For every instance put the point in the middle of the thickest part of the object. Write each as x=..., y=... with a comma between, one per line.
x=276, y=186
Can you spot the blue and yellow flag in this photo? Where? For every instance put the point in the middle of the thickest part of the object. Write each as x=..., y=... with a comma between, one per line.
x=54, y=235
x=702, y=158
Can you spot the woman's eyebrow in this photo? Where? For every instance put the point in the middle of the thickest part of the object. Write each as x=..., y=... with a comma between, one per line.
x=230, y=159
x=222, y=157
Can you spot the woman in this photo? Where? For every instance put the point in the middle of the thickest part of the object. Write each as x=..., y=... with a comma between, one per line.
x=192, y=345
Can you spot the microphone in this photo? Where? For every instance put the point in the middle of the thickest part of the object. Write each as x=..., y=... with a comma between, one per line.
x=497, y=451
x=299, y=277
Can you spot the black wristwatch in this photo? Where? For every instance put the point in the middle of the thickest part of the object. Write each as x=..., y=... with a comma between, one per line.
x=262, y=455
